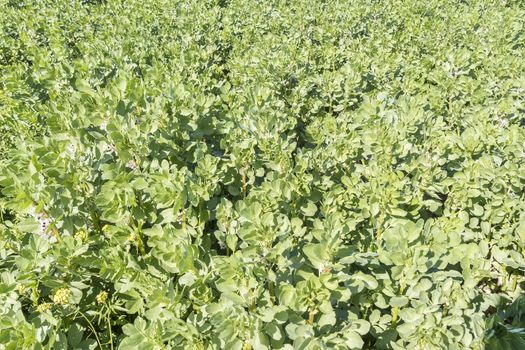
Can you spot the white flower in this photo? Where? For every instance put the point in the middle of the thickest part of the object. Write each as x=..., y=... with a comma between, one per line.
x=179, y=217
x=324, y=267
x=132, y=164
x=43, y=223
x=112, y=149
x=71, y=149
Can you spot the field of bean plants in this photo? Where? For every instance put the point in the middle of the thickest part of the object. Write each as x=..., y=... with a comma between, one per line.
x=250, y=174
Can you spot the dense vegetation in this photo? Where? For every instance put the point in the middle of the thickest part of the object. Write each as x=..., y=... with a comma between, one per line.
x=244, y=174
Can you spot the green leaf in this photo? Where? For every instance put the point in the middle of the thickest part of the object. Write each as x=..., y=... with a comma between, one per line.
x=74, y=335
x=353, y=340
x=369, y=280
x=317, y=254
x=309, y=209
x=398, y=301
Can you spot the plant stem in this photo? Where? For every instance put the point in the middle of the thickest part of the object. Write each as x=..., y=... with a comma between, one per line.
x=110, y=331
x=140, y=242
x=92, y=328
x=395, y=312
x=311, y=316
x=243, y=184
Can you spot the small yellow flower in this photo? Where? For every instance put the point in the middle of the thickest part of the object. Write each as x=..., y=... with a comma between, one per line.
x=44, y=307
x=61, y=296
x=21, y=289
x=102, y=297
x=81, y=235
